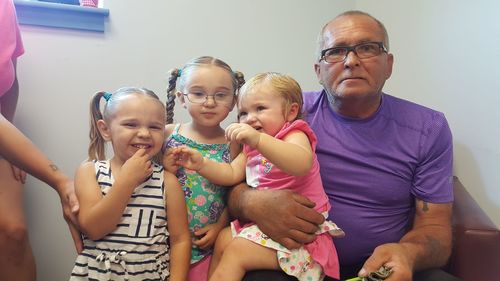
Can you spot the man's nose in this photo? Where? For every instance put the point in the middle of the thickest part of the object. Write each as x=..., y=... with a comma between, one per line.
x=351, y=59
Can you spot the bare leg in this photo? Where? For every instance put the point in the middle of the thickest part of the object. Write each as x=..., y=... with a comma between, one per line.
x=16, y=258
x=224, y=238
x=242, y=255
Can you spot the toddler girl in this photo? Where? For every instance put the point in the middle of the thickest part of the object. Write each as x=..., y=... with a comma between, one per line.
x=126, y=201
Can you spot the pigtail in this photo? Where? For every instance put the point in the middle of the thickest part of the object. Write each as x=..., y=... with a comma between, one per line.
x=240, y=79
x=96, y=147
x=170, y=103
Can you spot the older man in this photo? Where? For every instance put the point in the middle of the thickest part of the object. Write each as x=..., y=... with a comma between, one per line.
x=386, y=163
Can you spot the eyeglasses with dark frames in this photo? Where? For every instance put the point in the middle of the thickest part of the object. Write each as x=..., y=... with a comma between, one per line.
x=363, y=50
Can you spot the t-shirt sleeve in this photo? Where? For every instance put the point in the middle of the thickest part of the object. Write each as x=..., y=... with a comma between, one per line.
x=299, y=125
x=433, y=181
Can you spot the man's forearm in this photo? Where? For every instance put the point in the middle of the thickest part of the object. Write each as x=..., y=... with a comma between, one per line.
x=235, y=198
x=429, y=243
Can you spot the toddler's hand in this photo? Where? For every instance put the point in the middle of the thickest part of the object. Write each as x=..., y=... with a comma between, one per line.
x=137, y=168
x=206, y=236
x=188, y=158
x=168, y=162
x=243, y=133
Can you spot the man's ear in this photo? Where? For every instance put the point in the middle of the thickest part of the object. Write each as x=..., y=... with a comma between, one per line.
x=104, y=130
x=293, y=111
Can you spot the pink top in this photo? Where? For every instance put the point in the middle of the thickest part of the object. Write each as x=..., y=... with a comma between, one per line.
x=11, y=45
x=262, y=174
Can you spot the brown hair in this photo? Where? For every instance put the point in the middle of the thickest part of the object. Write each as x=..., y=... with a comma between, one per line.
x=186, y=70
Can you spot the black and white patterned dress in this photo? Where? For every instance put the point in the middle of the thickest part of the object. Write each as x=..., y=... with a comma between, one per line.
x=138, y=248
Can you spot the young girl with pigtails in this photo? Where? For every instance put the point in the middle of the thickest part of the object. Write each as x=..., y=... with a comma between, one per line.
x=132, y=211
x=206, y=87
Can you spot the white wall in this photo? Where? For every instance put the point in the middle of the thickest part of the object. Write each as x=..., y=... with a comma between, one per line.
x=444, y=59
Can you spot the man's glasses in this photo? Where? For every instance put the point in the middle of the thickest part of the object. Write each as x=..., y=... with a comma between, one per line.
x=219, y=98
x=363, y=51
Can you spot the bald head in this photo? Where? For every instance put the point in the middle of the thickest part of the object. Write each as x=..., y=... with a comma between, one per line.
x=381, y=30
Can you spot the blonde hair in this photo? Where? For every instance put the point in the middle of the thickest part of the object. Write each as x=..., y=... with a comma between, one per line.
x=284, y=85
x=183, y=73
x=96, y=149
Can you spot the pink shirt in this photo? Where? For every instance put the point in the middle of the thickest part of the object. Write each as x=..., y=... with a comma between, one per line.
x=261, y=173
x=11, y=45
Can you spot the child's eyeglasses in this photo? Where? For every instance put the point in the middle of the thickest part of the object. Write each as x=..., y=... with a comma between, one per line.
x=201, y=98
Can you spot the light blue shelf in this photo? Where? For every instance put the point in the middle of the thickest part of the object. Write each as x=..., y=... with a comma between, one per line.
x=61, y=15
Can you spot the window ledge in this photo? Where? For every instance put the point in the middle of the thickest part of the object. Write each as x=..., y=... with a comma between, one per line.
x=61, y=15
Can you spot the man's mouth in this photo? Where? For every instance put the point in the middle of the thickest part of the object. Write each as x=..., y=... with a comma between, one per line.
x=351, y=78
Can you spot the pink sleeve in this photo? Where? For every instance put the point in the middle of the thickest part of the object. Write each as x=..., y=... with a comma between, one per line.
x=299, y=125
x=11, y=45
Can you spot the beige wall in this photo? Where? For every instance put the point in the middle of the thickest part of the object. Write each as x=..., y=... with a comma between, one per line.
x=444, y=59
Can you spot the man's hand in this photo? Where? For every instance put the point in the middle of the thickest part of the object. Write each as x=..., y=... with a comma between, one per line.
x=70, y=209
x=426, y=245
x=394, y=256
x=286, y=217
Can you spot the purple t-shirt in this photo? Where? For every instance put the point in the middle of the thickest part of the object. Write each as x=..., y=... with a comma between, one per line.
x=372, y=169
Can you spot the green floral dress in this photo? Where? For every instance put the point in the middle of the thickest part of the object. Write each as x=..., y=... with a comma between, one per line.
x=205, y=201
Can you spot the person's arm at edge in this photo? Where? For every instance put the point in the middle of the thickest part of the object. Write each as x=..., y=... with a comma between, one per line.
x=253, y=205
x=180, y=237
x=19, y=150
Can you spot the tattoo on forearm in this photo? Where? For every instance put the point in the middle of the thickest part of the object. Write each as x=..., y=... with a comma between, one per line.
x=53, y=167
x=425, y=207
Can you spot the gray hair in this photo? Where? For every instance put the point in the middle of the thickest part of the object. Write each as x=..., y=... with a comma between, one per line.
x=321, y=39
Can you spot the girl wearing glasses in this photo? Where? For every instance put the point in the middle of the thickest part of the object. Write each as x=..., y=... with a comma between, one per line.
x=206, y=88
x=278, y=153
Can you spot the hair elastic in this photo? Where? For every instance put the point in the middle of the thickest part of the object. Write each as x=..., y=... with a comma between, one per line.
x=107, y=96
x=179, y=72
